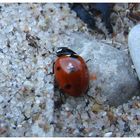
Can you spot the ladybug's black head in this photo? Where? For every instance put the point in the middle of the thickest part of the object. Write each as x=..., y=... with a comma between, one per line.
x=65, y=51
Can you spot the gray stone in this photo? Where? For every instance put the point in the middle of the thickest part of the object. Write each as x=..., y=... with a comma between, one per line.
x=134, y=47
x=116, y=81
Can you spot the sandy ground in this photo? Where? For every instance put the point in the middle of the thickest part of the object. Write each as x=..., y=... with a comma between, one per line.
x=29, y=36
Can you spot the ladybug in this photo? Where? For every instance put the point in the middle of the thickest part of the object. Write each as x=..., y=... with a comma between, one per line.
x=71, y=72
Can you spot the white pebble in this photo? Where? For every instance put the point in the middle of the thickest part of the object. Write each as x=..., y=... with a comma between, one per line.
x=108, y=134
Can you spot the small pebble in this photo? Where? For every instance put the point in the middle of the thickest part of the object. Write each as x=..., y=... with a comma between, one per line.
x=96, y=108
x=108, y=134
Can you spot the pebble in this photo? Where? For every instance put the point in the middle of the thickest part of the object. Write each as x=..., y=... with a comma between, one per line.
x=96, y=108
x=108, y=134
x=84, y=116
x=4, y=128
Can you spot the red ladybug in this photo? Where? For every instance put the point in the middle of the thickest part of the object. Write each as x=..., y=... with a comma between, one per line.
x=71, y=72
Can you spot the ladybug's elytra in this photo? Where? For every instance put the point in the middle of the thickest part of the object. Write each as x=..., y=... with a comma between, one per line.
x=71, y=72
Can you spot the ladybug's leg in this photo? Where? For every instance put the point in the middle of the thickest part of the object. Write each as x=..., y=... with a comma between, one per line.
x=61, y=98
x=55, y=84
x=59, y=101
x=62, y=95
x=89, y=96
x=88, y=60
x=88, y=89
x=51, y=73
x=53, y=67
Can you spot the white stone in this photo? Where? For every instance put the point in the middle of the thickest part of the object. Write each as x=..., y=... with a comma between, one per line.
x=108, y=134
x=134, y=47
x=28, y=84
